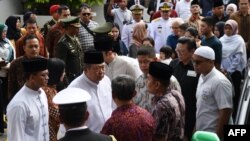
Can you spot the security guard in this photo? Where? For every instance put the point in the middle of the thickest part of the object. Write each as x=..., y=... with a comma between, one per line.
x=127, y=31
x=69, y=49
x=160, y=28
x=72, y=104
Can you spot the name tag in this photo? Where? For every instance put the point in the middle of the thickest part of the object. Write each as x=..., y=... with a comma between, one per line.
x=191, y=73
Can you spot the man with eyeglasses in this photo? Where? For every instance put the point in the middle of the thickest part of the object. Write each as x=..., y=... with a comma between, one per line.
x=85, y=35
x=160, y=28
x=184, y=72
x=214, y=93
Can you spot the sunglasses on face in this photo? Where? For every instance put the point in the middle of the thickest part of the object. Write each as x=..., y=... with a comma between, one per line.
x=86, y=14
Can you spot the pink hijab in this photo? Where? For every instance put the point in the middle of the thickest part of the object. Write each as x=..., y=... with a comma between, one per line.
x=234, y=26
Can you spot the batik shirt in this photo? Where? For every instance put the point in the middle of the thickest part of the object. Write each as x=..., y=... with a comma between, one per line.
x=143, y=97
x=130, y=123
x=169, y=114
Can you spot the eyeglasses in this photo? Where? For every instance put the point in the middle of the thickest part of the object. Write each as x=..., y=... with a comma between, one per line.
x=198, y=62
x=86, y=14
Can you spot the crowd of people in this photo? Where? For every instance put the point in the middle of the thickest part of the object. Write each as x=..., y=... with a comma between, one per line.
x=128, y=79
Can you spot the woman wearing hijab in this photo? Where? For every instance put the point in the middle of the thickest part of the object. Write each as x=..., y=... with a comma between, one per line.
x=6, y=56
x=14, y=28
x=234, y=58
x=140, y=32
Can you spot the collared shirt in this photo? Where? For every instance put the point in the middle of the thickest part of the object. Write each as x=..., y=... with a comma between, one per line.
x=85, y=38
x=123, y=65
x=183, y=9
x=169, y=114
x=188, y=80
x=127, y=32
x=143, y=97
x=101, y=104
x=214, y=93
x=122, y=17
x=130, y=123
x=28, y=116
x=78, y=128
x=160, y=29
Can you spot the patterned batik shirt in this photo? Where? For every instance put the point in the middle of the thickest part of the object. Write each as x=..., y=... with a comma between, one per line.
x=169, y=114
x=143, y=98
x=130, y=123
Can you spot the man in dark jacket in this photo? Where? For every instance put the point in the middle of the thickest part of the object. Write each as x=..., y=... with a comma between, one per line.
x=73, y=113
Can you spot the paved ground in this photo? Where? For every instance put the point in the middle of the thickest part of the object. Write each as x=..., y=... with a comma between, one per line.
x=3, y=138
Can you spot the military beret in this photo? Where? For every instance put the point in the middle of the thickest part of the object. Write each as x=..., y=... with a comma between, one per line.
x=35, y=65
x=160, y=70
x=71, y=21
x=166, y=6
x=218, y=3
x=137, y=9
x=71, y=96
x=93, y=57
x=53, y=9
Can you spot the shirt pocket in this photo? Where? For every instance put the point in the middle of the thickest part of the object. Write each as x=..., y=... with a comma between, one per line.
x=207, y=96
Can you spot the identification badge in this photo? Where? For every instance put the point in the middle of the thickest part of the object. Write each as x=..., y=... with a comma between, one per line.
x=191, y=73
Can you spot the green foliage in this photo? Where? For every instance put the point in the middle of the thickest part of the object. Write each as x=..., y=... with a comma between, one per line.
x=39, y=6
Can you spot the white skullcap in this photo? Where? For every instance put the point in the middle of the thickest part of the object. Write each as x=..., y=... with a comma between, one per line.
x=71, y=96
x=205, y=52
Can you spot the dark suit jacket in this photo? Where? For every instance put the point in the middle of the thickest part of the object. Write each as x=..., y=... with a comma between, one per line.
x=132, y=2
x=84, y=135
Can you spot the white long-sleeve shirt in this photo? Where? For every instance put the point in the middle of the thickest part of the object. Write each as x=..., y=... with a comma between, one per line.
x=101, y=104
x=28, y=116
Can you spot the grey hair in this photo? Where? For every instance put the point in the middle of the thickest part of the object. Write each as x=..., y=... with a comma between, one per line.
x=123, y=87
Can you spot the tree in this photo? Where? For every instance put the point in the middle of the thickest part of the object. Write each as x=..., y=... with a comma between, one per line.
x=41, y=7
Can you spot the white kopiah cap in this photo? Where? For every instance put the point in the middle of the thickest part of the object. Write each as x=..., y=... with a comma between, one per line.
x=71, y=96
x=205, y=52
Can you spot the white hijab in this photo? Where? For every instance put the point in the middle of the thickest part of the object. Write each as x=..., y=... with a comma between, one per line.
x=233, y=44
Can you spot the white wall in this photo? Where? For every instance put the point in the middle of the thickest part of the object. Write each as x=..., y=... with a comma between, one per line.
x=8, y=8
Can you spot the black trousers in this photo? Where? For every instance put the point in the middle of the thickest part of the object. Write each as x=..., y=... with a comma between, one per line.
x=236, y=80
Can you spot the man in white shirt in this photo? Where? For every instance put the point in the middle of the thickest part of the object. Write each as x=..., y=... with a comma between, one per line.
x=98, y=86
x=127, y=31
x=160, y=28
x=121, y=15
x=214, y=93
x=27, y=112
x=114, y=64
x=183, y=9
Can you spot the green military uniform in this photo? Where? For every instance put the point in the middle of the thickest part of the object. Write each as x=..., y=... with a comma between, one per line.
x=47, y=27
x=69, y=49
